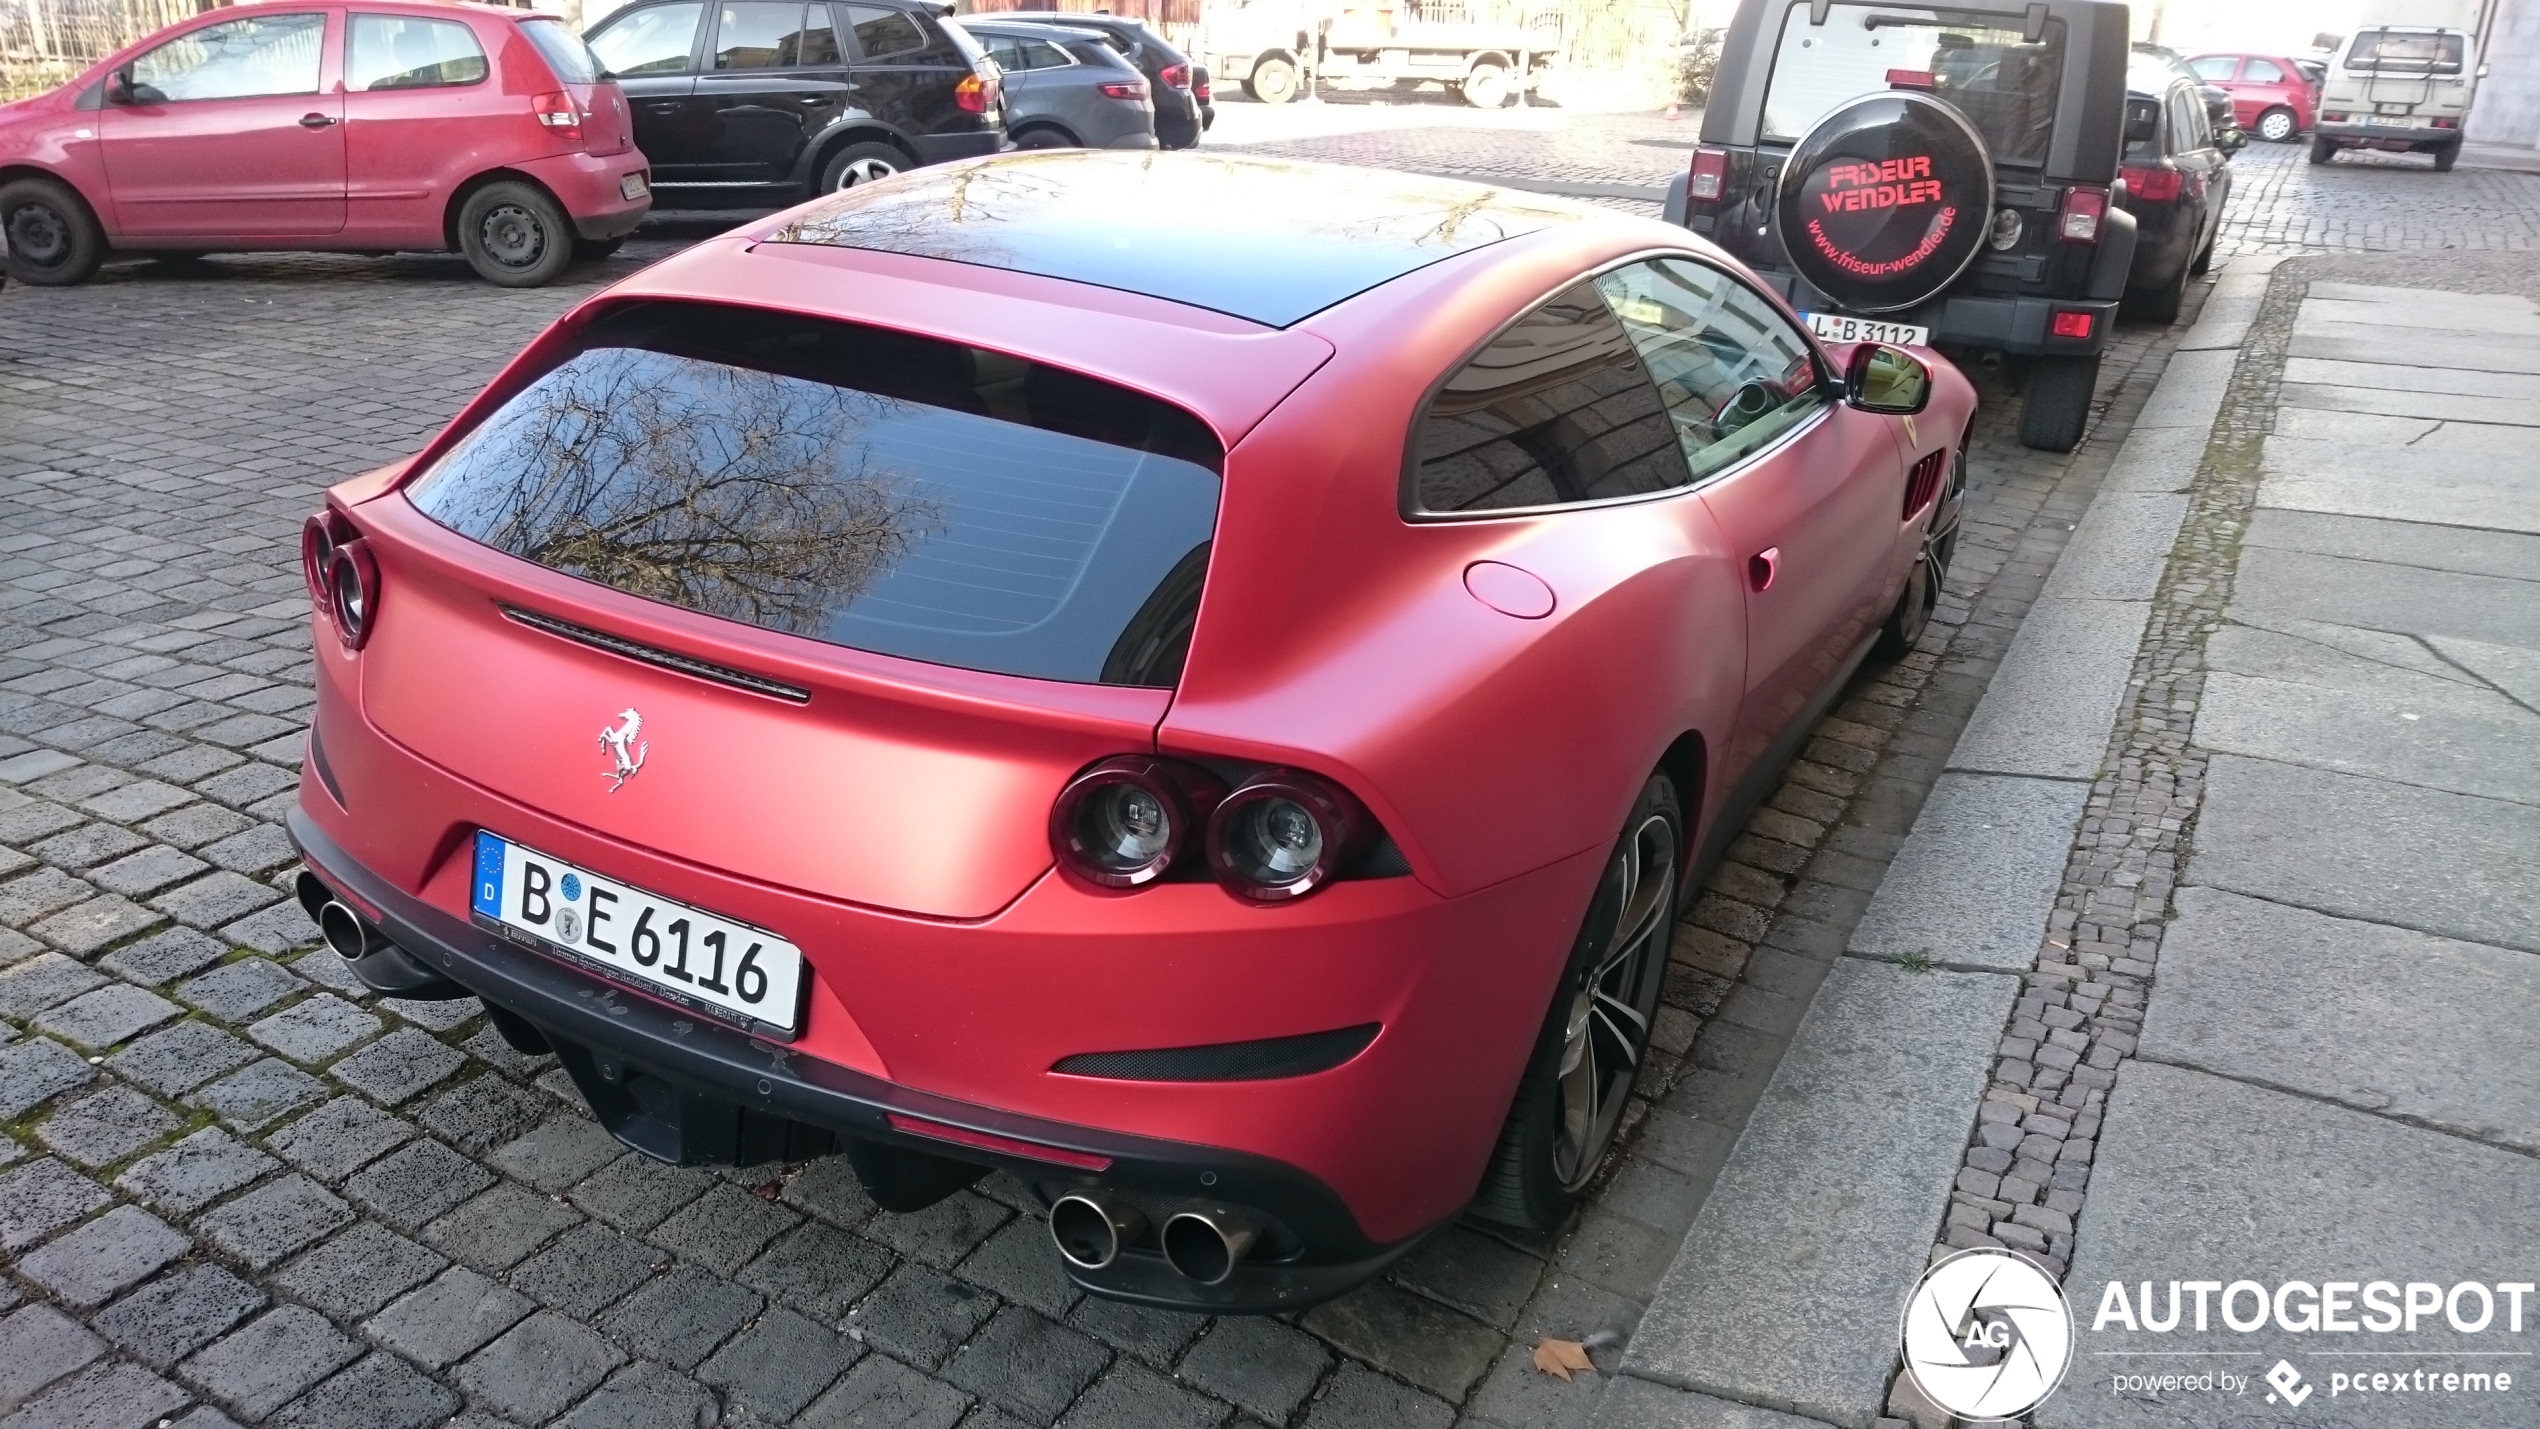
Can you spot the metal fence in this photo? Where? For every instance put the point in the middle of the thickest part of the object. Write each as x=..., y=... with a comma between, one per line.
x=45, y=42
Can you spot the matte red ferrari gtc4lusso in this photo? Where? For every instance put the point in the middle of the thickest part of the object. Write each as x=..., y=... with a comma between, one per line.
x=1200, y=682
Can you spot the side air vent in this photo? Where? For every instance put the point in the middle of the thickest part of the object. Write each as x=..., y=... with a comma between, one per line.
x=1262, y=1061
x=1923, y=483
x=665, y=659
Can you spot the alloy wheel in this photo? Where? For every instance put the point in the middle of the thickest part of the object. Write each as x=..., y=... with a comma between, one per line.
x=513, y=236
x=863, y=171
x=2275, y=126
x=38, y=235
x=1606, y=1031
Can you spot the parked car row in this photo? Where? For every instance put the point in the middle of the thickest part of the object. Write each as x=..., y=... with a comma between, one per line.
x=414, y=124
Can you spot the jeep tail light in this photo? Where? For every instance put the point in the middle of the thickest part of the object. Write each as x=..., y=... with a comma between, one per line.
x=2447, y=123
x=2157, y=183
x=352, y=586
x=1283, y=834
x=1709, y=181
x=558, y=113
x=975, y=95
x=1125, y=89
x=2083, y=210
x=1129, y=820
x=2071, y=324
x=1177, y=76
x=319, y=536
x=1911, y=79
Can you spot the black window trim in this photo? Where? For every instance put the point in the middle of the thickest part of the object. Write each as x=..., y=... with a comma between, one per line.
x=1407, y=498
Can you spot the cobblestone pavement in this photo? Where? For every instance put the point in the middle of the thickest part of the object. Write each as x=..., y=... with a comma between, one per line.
x=2360, y=202
x=232, y=1180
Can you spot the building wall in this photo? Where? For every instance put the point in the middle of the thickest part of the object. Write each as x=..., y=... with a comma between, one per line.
x=2507, y=110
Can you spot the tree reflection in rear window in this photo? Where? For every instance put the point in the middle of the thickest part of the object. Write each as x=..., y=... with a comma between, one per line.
x=1977, y=60
x=871, y=489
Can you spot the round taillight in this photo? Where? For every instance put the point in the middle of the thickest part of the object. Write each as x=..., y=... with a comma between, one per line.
x=1284, y=834
x=1127, y=821
x=352, y=584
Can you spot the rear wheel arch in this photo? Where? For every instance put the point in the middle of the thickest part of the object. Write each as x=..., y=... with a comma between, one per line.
x=465, y=191
x=847, y=137
x=1066, y=137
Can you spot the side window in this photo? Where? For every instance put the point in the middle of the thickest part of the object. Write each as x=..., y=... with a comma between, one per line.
x=653, y=40
x=237, y=59
x=1041, y=54
x=1734, y=375
x=1557, y=410
x=2217, y=68
x=408, y=52
x=881, y=33
x=1005, y=50
x=2263, y=72
x=2187, y=121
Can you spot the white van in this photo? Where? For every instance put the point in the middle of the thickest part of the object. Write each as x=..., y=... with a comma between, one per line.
x=2403, y=85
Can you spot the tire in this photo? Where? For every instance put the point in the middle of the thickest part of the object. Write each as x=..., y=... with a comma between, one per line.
x=1273, y=82
x=2204, y=263
x=862, y=164
x=592, y=250
x=2057, y=408
x=1561, y=1126
x=54, y=241
x=2446, y=156
x=1905, y=624
x=514, y=236
x=2161, y=304
x=1046, y=136
x=2323, y=148
x=1486, y=86
x=2277, y=126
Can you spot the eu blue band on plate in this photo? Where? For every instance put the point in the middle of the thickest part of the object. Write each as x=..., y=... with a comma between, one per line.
x=488, y=892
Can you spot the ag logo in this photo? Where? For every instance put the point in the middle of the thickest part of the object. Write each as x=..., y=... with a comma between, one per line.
x=1987, y=1335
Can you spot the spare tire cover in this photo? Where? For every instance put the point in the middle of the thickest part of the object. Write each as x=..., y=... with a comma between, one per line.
x=1886, y=201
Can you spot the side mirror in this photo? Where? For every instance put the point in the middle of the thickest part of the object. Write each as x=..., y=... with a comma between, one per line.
x=1887, y=380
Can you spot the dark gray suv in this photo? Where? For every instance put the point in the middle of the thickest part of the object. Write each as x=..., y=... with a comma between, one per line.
x=758, y=103
x=1064, y=88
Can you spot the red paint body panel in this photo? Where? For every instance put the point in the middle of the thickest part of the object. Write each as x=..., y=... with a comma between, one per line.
x=894, y=826
x=2251, y=97
x=247, y=174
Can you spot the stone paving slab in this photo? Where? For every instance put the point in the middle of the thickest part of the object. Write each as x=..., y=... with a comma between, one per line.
x=2393, y=377
x=2190, y=393
x=2306, y=585
x=2441, y=406
x=2386, y=1020
x=2498, y=315
x=2510, y=555
x=2441, y=488
x=1789, y=1287
x=2047, y=712
x=2355, y=342
x=1975, y=880
x=2442, y=735
x=2442, y=863
x=2160, y=459
x=2200, y=1177
x=1640, y=1404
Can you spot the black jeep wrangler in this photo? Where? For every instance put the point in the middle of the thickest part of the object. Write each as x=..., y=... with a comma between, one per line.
x=1929, y=174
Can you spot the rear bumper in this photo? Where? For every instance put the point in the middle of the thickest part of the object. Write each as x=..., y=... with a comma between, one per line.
x=944, y=148
x=690, y=1091
x=588, y=187
x=2349, y=132
x=2009, y=324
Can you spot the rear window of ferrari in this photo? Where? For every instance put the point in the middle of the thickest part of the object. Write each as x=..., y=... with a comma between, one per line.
x=872, y=489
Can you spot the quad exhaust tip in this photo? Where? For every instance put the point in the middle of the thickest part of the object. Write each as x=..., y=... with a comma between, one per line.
x=1090, y=1230
x=1206, y=1246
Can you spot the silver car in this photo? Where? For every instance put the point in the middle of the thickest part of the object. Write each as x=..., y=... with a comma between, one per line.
x=1066, y=89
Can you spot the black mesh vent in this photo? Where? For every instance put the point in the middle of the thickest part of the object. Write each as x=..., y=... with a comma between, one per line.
x=1228, y=1061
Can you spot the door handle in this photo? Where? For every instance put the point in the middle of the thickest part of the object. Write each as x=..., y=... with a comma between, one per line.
x=315, y=121
x=662, y=106
x=1762, y=567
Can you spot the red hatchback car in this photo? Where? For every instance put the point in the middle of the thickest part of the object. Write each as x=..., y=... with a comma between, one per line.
x=369, y=127
x=2270, y=96
x=1203, y=682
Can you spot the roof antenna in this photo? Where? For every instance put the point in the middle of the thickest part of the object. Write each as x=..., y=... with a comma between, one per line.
x=2036, y=24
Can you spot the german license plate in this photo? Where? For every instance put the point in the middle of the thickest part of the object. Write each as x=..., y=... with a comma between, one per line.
x=1835, y=327
x=2392, y=120
x=729, y=971
x=633, y=187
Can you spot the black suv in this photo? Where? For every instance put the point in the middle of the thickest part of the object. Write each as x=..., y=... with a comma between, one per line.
x=1922, y=173
x=757, y=103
